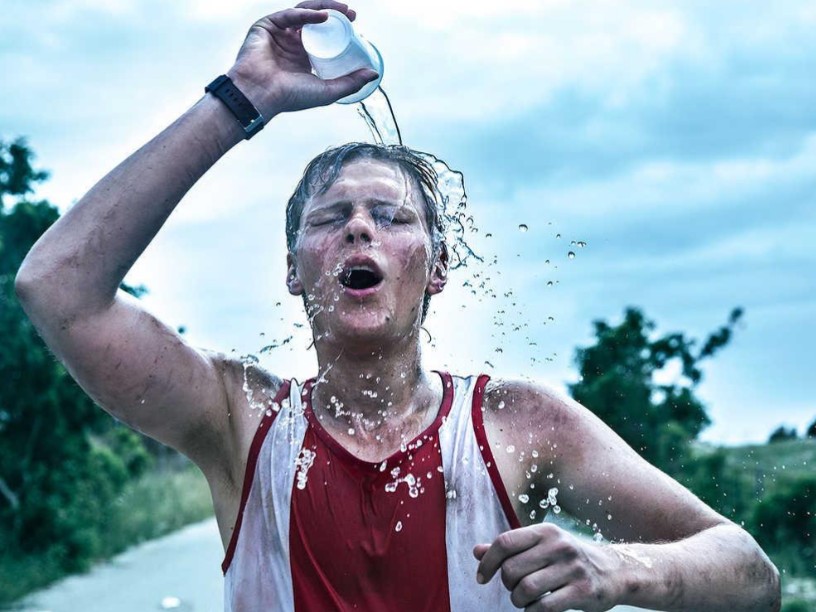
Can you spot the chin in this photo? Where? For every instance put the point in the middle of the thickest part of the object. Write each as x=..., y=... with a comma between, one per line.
x=362, y=325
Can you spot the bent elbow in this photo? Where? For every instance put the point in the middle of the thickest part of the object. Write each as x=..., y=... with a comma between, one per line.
x=24, y=285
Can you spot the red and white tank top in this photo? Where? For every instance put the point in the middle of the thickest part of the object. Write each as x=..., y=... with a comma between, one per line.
x=319, y=529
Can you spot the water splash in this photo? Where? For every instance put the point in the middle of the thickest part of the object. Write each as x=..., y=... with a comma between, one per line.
x=378, y=114
x=303, y=463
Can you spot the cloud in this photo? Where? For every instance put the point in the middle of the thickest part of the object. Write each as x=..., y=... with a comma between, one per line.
x=677, y=140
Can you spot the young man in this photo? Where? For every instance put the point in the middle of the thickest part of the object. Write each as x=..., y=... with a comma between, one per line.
x=374, y=486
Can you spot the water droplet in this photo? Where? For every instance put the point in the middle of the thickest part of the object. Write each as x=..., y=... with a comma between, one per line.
x=581, y=244
x=303, y=463
x=571, y=255
x=524, y=498
x=351, y=431
x=558, y=235
x=501, y=405
x=557, y=509
x=598, y=537
x=511, y=449
x=523, y=227
x=399, y=526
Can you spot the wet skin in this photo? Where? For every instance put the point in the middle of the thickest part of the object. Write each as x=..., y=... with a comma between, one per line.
x=369, y=212
x=371, y=216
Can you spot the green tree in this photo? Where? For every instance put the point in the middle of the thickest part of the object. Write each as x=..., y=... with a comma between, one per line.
x=62, y=460
x=784, y=523
x=811, y=430
x=782, y=433
x=617, y=382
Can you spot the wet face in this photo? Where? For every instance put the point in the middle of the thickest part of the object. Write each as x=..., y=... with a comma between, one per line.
x=363, y=258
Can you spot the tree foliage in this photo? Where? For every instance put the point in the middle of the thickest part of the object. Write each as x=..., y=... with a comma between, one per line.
x=782, y=433
x=785, y=522
x=618, y=381
x=619, y=374
x=62, y=460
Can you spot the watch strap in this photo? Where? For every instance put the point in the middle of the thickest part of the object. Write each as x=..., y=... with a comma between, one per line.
x=239, y=105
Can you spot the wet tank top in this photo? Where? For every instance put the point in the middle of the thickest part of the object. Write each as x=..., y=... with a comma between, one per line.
x=319, y=529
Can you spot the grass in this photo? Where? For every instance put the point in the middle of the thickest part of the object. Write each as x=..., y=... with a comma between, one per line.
x=788, y=457
x=798, y=594
x=156, y=504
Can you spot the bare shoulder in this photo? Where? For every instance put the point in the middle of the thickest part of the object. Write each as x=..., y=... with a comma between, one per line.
x=557, y=442
x=250, y=391
x=526, y=408
x=534, y=416
x=530, y=427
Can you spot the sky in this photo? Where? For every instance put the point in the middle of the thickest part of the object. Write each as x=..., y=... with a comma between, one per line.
x=676, y=139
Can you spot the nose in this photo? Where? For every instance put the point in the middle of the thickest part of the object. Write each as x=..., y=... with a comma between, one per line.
x=360, y=228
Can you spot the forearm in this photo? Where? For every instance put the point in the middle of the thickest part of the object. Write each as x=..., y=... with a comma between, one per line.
x=720, y=568
x=78, y=264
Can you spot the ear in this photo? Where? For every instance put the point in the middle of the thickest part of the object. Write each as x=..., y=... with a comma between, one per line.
x=292, y=281
x=439, y=272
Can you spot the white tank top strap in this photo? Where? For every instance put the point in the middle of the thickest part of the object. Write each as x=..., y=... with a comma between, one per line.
x=475, y=512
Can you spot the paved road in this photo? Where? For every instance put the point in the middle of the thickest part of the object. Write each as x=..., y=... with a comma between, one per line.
x=178, y=572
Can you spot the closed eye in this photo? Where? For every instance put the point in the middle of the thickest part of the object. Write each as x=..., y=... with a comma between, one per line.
x=388, y=215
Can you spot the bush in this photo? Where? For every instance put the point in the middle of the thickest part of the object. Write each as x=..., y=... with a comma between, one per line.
x=784, y=523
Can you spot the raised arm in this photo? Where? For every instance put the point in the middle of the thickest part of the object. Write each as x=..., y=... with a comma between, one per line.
x=134, y=366
x=675, y=553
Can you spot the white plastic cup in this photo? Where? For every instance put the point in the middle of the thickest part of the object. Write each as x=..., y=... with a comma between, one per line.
x=335, y=50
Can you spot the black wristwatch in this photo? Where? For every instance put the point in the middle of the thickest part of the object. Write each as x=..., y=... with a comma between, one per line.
x=245, y=112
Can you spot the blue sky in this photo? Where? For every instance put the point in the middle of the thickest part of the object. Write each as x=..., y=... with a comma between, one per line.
x=677, y=139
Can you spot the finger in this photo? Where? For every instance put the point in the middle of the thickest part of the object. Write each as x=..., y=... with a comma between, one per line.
x=536, y=584
x=295, y=18
x=516, y=567
x=507, y=544
x=479, y=550
x=321, y=5
x=560, y=600
x=346, y=85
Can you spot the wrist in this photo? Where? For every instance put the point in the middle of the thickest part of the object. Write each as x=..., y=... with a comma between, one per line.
x=223, y=125
x=635, y=577
x=260, y=94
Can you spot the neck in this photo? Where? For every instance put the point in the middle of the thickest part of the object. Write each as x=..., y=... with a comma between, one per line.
x=380, y=392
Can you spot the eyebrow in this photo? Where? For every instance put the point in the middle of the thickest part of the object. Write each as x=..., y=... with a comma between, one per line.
x=370, y=202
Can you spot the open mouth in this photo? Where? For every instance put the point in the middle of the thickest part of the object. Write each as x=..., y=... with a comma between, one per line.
x=360, y=277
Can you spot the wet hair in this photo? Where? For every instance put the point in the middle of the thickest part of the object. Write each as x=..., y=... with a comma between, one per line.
x=323, y=171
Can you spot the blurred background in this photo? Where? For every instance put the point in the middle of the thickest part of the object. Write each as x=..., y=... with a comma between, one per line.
x=641, y=175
